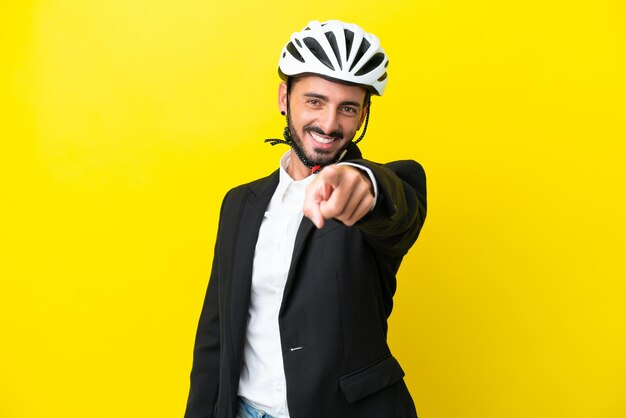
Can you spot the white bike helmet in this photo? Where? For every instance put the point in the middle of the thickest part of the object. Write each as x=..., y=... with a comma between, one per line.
x=337, y=50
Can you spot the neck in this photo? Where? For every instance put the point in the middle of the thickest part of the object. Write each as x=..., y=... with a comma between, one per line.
x=296, y=169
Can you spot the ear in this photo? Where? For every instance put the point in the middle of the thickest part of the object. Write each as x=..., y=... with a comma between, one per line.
x=282, y=97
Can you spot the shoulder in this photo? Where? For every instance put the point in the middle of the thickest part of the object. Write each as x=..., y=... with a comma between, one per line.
x=410, y=171
x=256, y=188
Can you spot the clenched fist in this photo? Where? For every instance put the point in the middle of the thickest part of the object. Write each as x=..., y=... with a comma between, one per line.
x=342, y=192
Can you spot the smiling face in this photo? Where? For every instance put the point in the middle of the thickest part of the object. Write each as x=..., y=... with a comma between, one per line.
x=324, y=116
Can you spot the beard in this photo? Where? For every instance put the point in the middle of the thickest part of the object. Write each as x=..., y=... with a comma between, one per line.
x=317, y=156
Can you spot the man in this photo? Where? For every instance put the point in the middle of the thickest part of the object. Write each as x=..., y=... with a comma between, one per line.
x=294, y=322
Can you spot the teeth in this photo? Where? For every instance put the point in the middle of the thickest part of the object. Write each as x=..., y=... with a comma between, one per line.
x=321, y=139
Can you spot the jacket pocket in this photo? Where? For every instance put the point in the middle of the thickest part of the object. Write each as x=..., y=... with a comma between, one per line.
x=370, y=379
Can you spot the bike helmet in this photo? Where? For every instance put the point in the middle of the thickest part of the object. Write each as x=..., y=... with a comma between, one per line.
x=336, y=50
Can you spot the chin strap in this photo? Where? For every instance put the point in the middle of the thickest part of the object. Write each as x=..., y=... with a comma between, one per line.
x=286, y=141
x=367, y=119
x=314, y=166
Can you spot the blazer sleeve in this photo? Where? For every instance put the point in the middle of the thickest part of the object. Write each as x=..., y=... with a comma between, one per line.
x=400, y=210
x=205, y=371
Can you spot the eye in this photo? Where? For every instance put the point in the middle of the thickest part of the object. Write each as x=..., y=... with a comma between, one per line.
x=314, y=102
x=349, y=110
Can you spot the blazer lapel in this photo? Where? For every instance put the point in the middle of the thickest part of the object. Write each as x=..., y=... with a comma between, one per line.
x=252, y=212
x=305, y=229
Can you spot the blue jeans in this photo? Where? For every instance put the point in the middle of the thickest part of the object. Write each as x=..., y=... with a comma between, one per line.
x=245, y=410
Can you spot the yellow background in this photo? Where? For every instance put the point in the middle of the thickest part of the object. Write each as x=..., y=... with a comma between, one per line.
x=123, y=123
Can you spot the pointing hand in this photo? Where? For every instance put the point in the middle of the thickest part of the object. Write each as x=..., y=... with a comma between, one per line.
x=342, y=192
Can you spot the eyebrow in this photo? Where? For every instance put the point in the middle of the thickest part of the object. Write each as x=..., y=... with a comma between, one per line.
x=325, y=99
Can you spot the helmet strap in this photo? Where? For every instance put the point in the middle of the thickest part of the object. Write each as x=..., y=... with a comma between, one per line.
x=367, y=118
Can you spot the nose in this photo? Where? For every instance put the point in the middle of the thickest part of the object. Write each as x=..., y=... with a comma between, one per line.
x=328, y=120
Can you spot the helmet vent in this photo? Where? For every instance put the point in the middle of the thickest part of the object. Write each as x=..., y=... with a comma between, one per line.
x=293, y=51
x=349, y=38
x=382, y=77
x=317, y=50
x=333, y=44
x=365, y=45
x=371, y=65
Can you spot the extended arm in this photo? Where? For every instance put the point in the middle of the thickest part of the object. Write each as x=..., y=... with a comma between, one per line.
x=345, y=193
